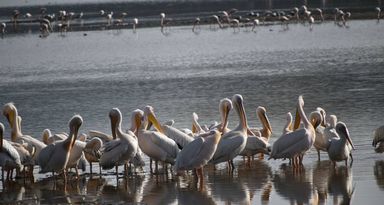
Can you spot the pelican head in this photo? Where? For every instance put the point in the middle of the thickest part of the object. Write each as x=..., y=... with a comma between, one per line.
x=149, y=116
x=115, y=117
x=136, y=118
x=261, y=112
x=237, y=101
x=304, y=7
x=289, y=124
x=46, y=134
x=10, y=112
x=82, y=137
x=342, y=128
x=332, y=121
x=315, y=118
x=74, y=125
x=300, y=101
x=224, y=107
x=323, y=114
x=195, y=127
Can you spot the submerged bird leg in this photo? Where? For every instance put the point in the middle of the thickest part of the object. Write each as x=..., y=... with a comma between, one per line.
x=156, y=167
x=117, y=172
x=232, y=165
x=249, y=161
x=100, y=170
x=318, y=155
x=150, y=166
x=90, y=167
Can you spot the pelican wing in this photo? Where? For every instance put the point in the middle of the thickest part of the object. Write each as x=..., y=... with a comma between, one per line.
x=228, y=148
x=290, y=144
x=11, y=152
x=138, y=159
x=103, y=136
x=187, y=156
x=112, y=152
x=178, y=136
x=45, y=156
x=165, y=143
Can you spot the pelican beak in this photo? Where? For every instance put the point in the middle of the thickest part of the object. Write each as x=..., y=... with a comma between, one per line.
x=138, y=123
x=226, y=113
x=350, y=140
x=113, y=127
x=152, y=118
x=267, y=122
x=296, y=124
x=194, y=129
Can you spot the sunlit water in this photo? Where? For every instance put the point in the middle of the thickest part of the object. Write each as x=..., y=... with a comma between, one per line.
x=337, y=68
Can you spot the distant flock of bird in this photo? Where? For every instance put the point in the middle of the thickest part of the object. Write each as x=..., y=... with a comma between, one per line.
x=183, y=149
x=62, y=20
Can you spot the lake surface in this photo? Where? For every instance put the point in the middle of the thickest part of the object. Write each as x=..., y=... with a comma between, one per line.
x=339, y=69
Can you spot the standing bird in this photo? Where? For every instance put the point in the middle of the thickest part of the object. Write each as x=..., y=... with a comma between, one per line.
x=320, y=14
x=311, y=21
x=295, y=13
x=155, y=144
x=164, y=21
x=233, y=142
x=54, y=157
x=120, y=150
x=295, y=144
x=256, y=22
x=2, y=29
x=92, y=152
x=9, y=157
x=135, y=22
x=216, y=20
x=378, y=10
x=197, y=153
x=339, y=148
x=196, y=23
x=225, y=106
x=266, y=130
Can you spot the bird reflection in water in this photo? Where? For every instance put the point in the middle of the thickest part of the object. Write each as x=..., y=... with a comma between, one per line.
x=340, y=185
x=378, y=171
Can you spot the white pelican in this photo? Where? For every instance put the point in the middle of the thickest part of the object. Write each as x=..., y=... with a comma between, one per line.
x=296, y=143
x=153, y=143
x=321, y=139
x=288, y=126
x=197, y=153
x=121, y=150
x=92, y=151
x=196, y=23
x=266, y=130
x=48, y=138
x=9, y=157
x=339, y=148
x=10, y=112
x=2, y=29
x=196, y=128
x=233, y=142
x=225, y=106
x=76, y=157
x=378, y=10
x=378, y=139
x=54, y=157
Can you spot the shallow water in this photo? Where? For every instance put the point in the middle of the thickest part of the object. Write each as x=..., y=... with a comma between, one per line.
x=337, y=68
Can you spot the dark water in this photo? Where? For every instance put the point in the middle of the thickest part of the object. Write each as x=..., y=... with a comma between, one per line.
x=339, y=69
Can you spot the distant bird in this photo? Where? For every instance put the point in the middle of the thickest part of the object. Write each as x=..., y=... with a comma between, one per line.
x=27, y=15
x=164, y=21
x=15, y=15
x=378, y=10
x=102, y=12
x=339, y=149
x=216, y=20
x=311, y=21
x=9, y=157
x=135, y=22
x=295, y=144
x=296, y=13
x=255, y=23
x=2, y=29
x=109, y=18
x=54, y=157
x=284, y=21
x=320, y=14
x=196, y=23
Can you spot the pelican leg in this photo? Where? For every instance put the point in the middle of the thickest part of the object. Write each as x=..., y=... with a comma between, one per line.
x=232, y=166
x=117, y=172
x=249, y=161
x=99, y=169
x=150, y=166
x=156, y=167
x=65, y=176
x=318, y=155
x=90, y=168
x=2, y=173
x=77, y=172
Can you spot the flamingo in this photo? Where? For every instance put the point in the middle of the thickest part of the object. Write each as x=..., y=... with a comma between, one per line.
x=233, y=142
x=296, y=143
x=339, y=148
x=197, y=153
x=9, y=157
x=120, y=150
x=153, y=143
x=54, y=157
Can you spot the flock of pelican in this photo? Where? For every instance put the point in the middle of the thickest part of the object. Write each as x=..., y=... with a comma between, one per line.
x=183, y=149
x=231, y=18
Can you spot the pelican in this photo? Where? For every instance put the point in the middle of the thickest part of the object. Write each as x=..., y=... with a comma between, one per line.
x=196, y=23
x=10, y=112
x=164, y=21
x=339, y=148
x=296, y=143
x=196, y=128
x=225, y=106
x=76, y=157
x=378, y=10
x=378, y=139
x=321, y=139
x=48, y=138
x=122, y=149
x=288, y=126
x=153, y=143
x=233, y=142
x=175, y=134
x=54, y=157
x=110, y=18
x=9, y=157
x=266, y=130
x=92, y=151
x=197, y=153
